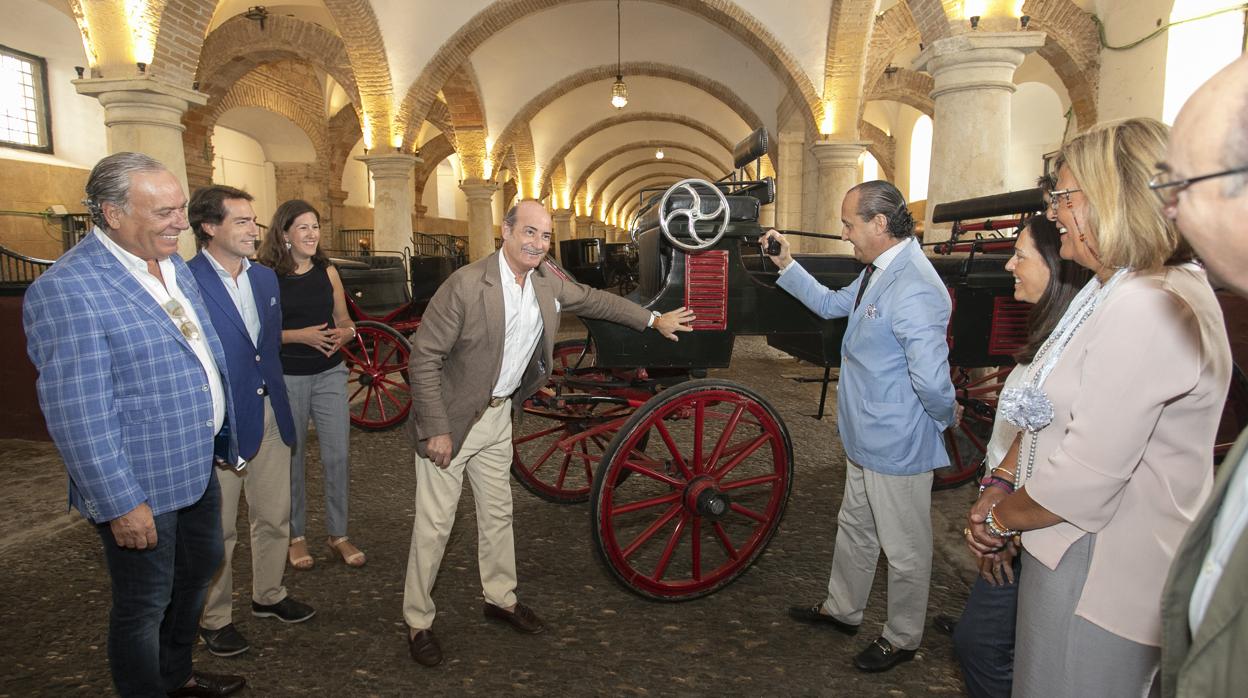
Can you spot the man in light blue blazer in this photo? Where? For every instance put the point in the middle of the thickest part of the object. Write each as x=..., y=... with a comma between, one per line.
x=132, y=384
x=245, y=306
x=894, y=401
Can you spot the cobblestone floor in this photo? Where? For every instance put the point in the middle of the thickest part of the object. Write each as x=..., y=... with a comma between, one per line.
x=602, y=639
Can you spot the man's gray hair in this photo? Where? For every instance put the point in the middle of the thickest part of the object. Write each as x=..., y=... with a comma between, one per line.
x=509, y=219
x=879, y=197
x=109, y=182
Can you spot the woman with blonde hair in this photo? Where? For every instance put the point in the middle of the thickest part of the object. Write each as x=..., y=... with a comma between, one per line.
x=1118, y=411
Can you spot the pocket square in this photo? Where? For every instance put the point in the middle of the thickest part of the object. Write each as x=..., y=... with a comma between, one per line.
x=871, y=312
x=272, y=301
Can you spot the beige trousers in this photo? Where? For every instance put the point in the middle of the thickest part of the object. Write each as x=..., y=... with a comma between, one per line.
x=893, y=512
x=486, y=457
x=266, y=482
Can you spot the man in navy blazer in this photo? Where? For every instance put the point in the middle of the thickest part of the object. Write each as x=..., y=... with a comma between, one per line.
x=894, y=401
x=132, y=384
x=246, y=310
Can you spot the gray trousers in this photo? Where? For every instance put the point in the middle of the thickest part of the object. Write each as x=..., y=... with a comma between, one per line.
x=322, y=398
x=1058, y=654
x=892, y=512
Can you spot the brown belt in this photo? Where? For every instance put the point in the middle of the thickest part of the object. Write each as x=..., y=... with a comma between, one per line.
x=496, y=401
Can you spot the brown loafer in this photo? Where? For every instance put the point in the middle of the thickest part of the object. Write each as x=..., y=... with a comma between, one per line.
x=522, y=618
x=424, y=648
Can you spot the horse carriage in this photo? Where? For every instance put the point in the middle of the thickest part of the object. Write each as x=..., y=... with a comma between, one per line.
x=601, y=264
x=687, y=475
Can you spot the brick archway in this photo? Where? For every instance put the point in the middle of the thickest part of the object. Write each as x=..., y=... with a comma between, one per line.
x=694, y=170
x=909, y=87
x=633, y=186
x=724, y=14
x=583, y=179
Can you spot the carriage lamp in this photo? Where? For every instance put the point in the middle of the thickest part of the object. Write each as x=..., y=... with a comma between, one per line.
x=257, y=13
x=974, y=21
x=658, y=154
x=619, y=92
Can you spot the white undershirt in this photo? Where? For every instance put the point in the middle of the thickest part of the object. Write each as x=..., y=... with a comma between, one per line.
x=162, y=293
x=524, y=328
x=1228, y=527
x=242, y=294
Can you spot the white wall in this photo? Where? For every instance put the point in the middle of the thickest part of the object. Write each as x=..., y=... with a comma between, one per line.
x=78, y=135
x=1132, y=82
x=239, y=162
x=355, y=179
x=1036, y=125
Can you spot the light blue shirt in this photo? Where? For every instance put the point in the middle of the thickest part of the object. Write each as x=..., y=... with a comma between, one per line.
x=1231, y=521
x=242, y=295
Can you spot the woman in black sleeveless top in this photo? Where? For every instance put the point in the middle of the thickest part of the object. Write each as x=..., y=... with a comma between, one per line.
x=315, y=323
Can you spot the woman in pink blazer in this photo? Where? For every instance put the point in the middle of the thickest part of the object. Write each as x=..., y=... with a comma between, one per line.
x=1119, y=410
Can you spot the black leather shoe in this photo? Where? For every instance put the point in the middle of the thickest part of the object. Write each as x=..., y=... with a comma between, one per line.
x=945, y=624
x=522, y=618
x=816, y=616
x=224, y=642
x=211, y=685
x=881, y=656
x=424, y=648
x=287, y=610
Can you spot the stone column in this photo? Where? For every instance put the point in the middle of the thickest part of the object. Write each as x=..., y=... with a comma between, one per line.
x=337, y=199
x=562, y=219
x=392, y=199
x=974, y=77
x=418, y=218
x=480, y=195
x=838, y=172
x=598, y=229
x=584, y=226
x=144, y=115
x=788, y=206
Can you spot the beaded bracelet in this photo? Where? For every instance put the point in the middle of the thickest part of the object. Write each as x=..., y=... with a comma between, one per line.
x=994, y=481
x=994, y=527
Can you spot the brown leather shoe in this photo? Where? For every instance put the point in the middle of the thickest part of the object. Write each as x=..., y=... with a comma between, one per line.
x=210, y=686
x=424, y=648
x=522, y=618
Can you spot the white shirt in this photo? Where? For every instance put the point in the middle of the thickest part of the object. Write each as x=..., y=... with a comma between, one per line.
x=886, y=258
x=1228, y=527
x=242, y=294
x=163, y=293
x=524, y=328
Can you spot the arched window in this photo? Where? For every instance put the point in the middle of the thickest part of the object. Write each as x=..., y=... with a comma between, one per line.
x=920, y=157
x=1197, y=50
x=868, y=167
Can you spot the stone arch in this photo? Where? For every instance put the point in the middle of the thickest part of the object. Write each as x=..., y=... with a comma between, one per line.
x=620, y=119
x=432, y=153
x=883, y=147
x=667, y=162
x=932, y=17
x=255, y=91
x=850, y=24
x=606, y=72
x=909, y=87
x=642, y=145
x=361, y=36
x=1072, y=46
x=893, y=30
x=238, y=46
x=725, y=14
x=632, y=202
x=180, y=40
x=440, y=116
x=343, y=133
x=626, y=190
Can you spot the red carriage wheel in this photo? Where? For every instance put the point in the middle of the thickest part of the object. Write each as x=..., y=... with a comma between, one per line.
x=967, y=441
x=557, y=444
x=711, y=466
x=571, y=353
x=377, y=387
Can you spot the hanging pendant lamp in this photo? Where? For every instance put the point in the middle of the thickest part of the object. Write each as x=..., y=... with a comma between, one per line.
x=619, y=91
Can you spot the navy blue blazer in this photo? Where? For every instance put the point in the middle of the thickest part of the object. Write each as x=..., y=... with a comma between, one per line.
x=251, y=369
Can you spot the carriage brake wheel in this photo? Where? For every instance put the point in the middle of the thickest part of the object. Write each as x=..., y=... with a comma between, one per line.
x=711, y=467
x=377, y=390
x=549, y=455
x=967, y=441
x=693, y=214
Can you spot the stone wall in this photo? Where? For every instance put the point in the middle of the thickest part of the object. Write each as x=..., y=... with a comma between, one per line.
x=33, y=187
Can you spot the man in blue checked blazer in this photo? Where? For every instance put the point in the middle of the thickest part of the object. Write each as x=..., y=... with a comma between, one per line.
x=244, y=303
x=894, y=401
x=132, y=384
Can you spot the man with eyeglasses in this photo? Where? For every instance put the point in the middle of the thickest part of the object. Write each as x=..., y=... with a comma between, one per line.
x=1204, y=187
x=132, y=385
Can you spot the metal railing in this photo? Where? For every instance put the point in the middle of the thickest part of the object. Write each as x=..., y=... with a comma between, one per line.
x=17, y=269
x=358, y=242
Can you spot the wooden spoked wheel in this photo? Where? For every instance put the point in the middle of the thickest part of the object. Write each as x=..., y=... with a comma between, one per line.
x=557, y=443
x=711, y=466
x=967, y=441
x=377, y=389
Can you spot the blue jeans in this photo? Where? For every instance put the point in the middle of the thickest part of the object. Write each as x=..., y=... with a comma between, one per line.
x=158, y=594
x=984, y=637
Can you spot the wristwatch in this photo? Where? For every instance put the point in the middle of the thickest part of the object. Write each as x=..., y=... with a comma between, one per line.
x=654, y=315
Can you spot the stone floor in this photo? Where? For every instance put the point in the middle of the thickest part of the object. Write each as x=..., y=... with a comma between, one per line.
x=602, y=639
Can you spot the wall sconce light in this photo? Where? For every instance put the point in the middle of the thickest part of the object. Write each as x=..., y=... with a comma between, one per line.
x=142, y=68
x=974, y=21
x=658, y=154
x=891, y=69
x=257, y=13
x=80, y=70
x=1024, y=20
x=195, y=86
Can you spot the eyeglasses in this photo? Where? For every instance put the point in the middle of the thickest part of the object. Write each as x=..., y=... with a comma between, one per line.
x=1056, y=193
x=178, y=314
x=1168, y=190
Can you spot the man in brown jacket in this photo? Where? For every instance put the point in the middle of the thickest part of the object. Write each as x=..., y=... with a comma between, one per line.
x=1204, y=606
x=485, y=344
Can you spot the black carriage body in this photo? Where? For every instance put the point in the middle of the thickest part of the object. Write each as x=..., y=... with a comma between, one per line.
x=732, y=289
